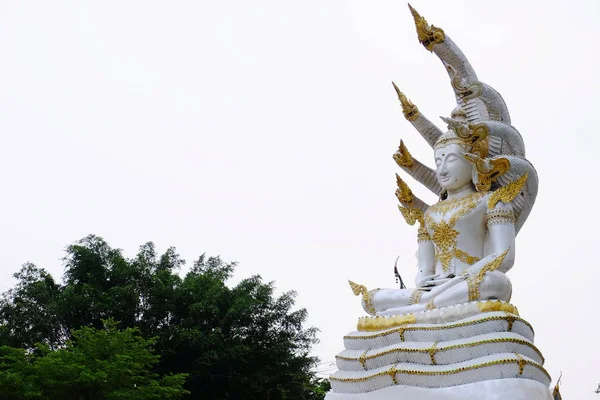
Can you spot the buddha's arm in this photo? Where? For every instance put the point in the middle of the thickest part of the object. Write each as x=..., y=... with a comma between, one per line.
x=501, y=233
x=426, y=251
x=425, y=258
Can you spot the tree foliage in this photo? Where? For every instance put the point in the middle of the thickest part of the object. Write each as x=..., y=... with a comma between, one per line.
x=102, y=364
x=240, y=342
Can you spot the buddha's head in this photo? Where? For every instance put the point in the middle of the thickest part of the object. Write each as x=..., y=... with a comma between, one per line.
x=453, y=170
x=456, y=151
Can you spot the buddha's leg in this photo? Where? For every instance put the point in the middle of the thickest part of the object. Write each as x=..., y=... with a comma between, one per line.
x=495, y=285
x=384, y=299
x=419, y=300
x=403, y=301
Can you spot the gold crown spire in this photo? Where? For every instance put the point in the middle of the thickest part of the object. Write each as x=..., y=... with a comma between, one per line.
x=428, y=34
x=410, y=111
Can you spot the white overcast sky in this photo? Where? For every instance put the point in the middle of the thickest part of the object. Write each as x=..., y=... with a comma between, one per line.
x=262, y=131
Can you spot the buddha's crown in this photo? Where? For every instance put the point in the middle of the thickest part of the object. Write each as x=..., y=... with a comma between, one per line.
x=472, y=137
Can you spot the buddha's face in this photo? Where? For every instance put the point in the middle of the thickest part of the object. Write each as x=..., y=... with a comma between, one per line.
x=453, y=170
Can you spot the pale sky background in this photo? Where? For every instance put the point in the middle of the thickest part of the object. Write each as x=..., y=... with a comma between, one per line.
x=262, y=131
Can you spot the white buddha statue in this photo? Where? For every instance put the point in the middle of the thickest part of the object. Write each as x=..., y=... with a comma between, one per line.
x=466, y=241
x=454, y=336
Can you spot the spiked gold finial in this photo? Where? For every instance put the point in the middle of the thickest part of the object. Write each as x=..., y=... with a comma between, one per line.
x=356, y=288
x=402, y=157
x=410, y=111
x=429, y=35
x=403, y=193
x=366, y=296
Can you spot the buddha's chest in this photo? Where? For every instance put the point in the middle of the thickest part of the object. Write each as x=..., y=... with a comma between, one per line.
x=449, y=221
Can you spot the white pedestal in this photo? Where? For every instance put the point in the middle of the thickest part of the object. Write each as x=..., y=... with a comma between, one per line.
x=499, y=389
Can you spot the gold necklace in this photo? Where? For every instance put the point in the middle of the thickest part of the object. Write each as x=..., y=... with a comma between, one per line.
x=443, y=207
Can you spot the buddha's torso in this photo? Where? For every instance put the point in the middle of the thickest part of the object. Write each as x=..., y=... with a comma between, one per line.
x=458, y=229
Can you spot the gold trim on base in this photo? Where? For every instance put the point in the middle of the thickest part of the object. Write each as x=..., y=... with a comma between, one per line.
x=374, y=324
x=442, y=348
x=519, y=361
x=401, y=330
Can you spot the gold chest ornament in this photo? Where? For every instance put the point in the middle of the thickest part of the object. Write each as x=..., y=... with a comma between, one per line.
x=444, y=234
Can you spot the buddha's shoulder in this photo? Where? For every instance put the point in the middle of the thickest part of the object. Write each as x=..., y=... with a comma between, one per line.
x=507, y=193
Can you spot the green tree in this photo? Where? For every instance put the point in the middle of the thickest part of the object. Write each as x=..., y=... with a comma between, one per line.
x=17, y=377
x=96, y=364
x=29, y=312
x=105, y=364
x=239, y=341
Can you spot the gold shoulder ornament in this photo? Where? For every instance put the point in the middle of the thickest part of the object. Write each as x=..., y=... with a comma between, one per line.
x=412, y=215
x=507, y=193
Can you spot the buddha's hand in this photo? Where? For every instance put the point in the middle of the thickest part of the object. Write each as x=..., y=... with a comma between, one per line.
x=422, y=279
x=430, y=281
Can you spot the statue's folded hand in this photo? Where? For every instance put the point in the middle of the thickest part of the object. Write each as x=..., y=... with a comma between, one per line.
x=440, y=280
x=431, y=281
x=423, y=279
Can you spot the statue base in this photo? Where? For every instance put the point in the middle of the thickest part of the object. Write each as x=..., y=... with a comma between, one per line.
x=474, y=350
x=498, y=389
